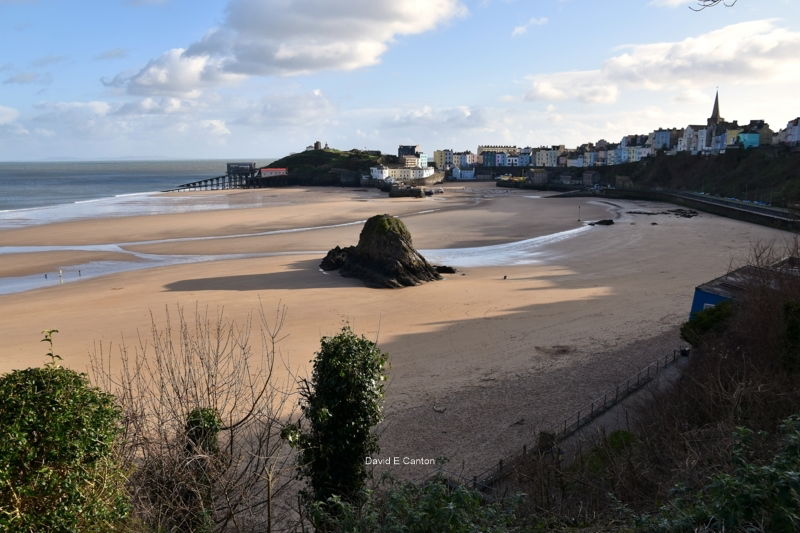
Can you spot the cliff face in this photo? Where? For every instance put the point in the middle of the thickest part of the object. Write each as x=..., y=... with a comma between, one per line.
x=384, y=256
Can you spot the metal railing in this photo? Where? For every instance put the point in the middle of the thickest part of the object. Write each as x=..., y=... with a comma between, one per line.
x=487, y=480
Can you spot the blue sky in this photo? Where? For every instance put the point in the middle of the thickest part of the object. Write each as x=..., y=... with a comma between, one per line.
x=263, y=78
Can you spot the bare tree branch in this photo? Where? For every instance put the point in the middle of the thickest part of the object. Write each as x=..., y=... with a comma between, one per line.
x=204, y=362
x=703, y=4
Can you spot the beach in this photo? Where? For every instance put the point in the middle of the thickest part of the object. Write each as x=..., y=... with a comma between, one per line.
x=539, y=319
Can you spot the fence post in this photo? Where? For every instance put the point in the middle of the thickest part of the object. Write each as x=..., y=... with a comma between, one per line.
x=524, y=450
x=474, y=482
x=591, y=413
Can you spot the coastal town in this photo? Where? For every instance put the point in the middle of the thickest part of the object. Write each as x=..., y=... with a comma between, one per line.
x=714, y=137
x=413, y=166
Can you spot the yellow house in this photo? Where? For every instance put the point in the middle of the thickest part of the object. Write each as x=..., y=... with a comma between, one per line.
x=439, y=158
x=732, y=136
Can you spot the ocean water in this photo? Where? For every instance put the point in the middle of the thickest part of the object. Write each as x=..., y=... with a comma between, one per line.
x=38, y=193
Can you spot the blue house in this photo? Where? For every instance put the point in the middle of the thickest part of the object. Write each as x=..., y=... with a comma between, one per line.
x=749, y=140
x=734, y=283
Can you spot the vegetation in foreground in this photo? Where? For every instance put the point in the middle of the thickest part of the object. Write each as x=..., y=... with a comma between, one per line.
x=58, y=470
x=718, y=451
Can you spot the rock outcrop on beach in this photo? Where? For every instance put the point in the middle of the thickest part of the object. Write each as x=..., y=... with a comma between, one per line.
x=383, y=258
x=604, y=222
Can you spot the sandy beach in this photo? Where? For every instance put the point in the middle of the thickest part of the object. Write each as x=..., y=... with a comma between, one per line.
x=520, y=337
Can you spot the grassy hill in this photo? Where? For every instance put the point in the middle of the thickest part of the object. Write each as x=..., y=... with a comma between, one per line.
x=328, y=167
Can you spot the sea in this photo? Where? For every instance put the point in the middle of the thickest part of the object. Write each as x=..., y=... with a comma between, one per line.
x=42, y=192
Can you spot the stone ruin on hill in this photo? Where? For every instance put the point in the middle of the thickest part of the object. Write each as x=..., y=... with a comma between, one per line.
x=384, y=257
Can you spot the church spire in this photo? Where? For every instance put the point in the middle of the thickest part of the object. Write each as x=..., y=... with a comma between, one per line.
x=715, y=118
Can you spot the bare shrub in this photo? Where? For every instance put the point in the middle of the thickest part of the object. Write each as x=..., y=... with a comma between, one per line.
x=203, y=410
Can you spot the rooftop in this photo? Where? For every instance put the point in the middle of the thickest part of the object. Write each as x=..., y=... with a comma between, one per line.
x=735, y=282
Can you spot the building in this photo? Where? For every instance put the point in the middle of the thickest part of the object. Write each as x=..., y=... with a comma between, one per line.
x=408, y=150
x=462, y=174
x=793, y=137
x=464, y=159
x=756, y=131
x=392, y=174
x=271, y=172
x=545, y=157
x=443, y=159
x=749, y=140
x=489, y=158
x=664, y=139
x=241, y=170
x=789, y=135
x=575, y=159
x=493, y=148
x=733, y=284
x=715, y=119
x=693, y=139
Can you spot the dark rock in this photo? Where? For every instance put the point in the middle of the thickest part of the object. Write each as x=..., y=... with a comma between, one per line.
x=335, y=258
x=684, y=213
x=443, y=269
x=604, y=222
x=384, y=256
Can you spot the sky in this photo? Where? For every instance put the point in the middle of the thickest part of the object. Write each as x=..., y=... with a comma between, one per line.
x=203, y=79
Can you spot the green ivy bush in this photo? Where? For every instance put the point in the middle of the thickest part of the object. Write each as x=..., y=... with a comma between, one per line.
x=754, y=496
x=432, y=507
x=342, y=403
x=705, y=321
x=57, y=471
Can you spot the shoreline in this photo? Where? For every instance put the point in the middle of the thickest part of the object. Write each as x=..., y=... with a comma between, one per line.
x=102, y=257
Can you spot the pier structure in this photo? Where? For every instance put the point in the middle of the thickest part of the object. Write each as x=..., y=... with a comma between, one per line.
x=238, y=176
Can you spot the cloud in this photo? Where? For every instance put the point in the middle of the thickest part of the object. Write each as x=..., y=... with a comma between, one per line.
x=459, y=117
x=289, y=109
x=216, y=127
x=174, y=73
x=281, y=37
x=23, y=78
x=588, y=86
x=114, y=53
x=8, y=114
x=157, y=106
x=48, y=60
x=535, y=21
x=754, y=52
